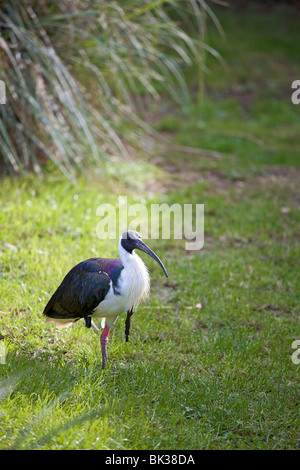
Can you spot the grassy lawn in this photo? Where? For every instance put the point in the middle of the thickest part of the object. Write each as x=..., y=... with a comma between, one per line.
x=208, y=364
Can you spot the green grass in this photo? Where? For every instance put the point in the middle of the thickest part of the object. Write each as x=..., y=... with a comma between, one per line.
x=215, y=377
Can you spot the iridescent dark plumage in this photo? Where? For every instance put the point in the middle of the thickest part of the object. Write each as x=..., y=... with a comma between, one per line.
x=83, y=288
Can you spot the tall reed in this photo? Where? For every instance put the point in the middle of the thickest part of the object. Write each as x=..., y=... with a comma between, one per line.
x=75, y=70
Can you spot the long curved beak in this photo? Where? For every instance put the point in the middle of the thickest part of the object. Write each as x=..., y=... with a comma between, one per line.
x=140, y=245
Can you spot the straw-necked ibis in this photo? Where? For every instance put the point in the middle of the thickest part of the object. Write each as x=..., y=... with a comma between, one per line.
x=103, y=287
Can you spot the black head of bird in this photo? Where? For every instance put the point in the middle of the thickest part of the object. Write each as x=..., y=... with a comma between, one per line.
x=103, y=287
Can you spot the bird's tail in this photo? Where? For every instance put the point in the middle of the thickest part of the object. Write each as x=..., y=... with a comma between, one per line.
x=60, y=322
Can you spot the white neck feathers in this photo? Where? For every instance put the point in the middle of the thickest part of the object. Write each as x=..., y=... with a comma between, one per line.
x=135, y=281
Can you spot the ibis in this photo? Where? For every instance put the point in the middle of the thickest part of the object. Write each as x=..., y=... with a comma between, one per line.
x=103, y=288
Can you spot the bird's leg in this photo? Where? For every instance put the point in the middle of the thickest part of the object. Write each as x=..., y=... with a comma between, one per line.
x=127, y=323
x=104, y=340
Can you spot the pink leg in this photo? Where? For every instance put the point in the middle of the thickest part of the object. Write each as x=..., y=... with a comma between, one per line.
x=104, y=340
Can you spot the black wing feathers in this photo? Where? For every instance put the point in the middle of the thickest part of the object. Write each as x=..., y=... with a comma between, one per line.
x=83, y=288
